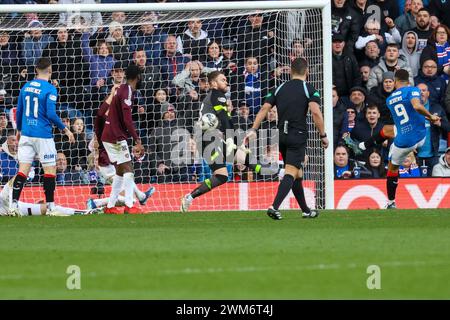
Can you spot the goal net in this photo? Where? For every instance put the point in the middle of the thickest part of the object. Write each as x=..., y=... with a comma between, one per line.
x=91, y=46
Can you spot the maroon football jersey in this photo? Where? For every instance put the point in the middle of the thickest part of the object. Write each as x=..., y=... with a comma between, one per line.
x=119, y=124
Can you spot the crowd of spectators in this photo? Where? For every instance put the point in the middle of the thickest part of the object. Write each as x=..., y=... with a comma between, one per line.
x=371, y=40
x=90, y=51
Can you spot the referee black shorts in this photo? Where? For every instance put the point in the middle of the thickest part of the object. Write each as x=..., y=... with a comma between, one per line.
x=293, y=147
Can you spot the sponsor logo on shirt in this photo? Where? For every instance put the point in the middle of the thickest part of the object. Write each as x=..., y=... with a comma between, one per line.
x=52, y=97
x=49, y=156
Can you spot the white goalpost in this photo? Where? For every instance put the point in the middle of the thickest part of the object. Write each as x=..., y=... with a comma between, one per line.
x=176, y=45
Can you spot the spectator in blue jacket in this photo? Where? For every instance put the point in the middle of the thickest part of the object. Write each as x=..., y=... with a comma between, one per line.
x=436, y=84
x=8, y=158
x=171, y=63
x=149, y=37
x=101, y=60
x=34, y=43
x=409, y=167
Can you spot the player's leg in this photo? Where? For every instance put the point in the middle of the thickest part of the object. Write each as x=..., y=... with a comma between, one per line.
x=291, y=173
x=299, y=194
x=386, y=132
x=219, y=177
x=115, y=156
x=47, y=156
x=126, y=170
x=40, y=209
x=26, y=153
x=396, y=157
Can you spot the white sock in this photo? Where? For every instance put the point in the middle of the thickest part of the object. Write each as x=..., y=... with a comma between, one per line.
x=104, y=201
x=139, y=194
x=69, y=211
x=116, y=187
x=50, y=206
x=362, y=146
x=128, y=185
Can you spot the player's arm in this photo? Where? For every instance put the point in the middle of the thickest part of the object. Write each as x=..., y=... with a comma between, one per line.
x=19, y=113
x=128, y=120
x=316, y=113
x=419, y=107
x=54, y=118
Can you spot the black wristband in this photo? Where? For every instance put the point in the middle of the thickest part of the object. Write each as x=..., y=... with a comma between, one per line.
x=323, y=136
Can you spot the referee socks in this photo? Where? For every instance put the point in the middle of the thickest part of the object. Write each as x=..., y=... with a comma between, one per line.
x=299, y=193
x=283, y=190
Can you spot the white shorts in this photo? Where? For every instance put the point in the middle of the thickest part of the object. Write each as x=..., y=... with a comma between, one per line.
x=42, y=149
x=397, y=155
x=118, y=152
x=107, y=172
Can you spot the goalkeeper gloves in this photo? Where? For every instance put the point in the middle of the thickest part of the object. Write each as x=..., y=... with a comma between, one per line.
x=230, y=146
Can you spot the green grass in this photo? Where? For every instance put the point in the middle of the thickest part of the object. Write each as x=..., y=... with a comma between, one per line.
x=228, y=255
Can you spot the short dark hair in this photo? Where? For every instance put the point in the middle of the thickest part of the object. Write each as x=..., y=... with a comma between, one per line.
x=402, y=75
x=299, y=66
x=213, y=75
x=424, y=9
x=132, y=72
x=393, y=45
x=43, y=63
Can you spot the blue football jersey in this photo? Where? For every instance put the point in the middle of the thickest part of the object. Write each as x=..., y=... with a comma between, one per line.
x=36, y=109
x=410, y=124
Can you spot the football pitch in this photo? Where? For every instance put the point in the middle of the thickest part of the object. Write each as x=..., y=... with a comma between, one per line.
x=228, y=255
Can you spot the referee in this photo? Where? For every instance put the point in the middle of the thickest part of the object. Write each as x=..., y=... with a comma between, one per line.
x=293, y=100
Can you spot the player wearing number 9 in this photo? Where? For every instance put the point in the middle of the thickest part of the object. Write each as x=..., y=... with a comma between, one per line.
x=36, y=115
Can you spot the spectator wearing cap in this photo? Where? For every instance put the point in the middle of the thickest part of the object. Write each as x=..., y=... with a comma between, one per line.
x=379, y=94
x=68, y=68
x=8, y=56
x=100, y=60
x=149, y=37
x=34, y=43
x=194, y=40
x=118, y=41
x=8, y=158
x=430, y=76
x=345, y=67
x=230, y=62
x=351, y=120
x=428, y=154
x=367, y=127
x=410, y=46
x=241, y=119
x=442, y=168
x=345, y=21
x=391, y=61
x=165, y=138
x=357, y=97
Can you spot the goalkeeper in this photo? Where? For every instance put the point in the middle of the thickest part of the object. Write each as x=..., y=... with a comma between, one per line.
x=215, y=102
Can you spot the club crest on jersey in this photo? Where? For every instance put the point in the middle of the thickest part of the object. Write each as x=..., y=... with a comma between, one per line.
x=52, y=97
x=127, y=102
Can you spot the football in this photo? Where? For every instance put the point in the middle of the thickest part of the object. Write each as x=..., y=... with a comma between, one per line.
x=209, y=121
